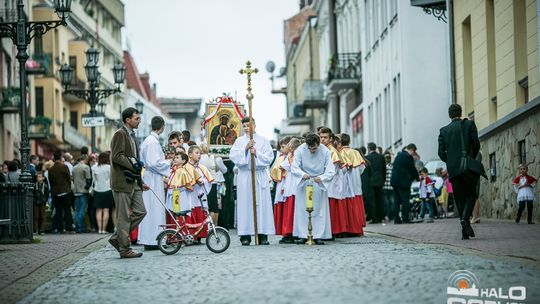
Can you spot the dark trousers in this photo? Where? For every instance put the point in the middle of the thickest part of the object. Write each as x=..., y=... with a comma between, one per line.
x=39, y=217
x=378, y=203
x=130, y=212
x=403, y=195
x=389, y=198
x=529, y=210
x=63, y=219
x=465, y=195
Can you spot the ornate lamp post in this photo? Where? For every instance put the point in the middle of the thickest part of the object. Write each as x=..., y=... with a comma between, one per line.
x=92, y=95
x=21, y=33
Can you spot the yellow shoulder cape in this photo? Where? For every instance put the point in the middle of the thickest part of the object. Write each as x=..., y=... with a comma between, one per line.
x=335, y=154
x=276, y=172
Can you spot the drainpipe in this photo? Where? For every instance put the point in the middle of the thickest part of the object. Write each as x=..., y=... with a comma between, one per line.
x=449, y=9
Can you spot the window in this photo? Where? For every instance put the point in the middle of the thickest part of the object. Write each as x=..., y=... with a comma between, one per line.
x=393, y=10
x=74, y=119
x=492, y=167
x=73, y=65
x=397, y=108
x=492, y=69
x=522, y=152
x=379, y=120
x=38, y=45
x=40, y=111
x=368, y=23
x=387, y=119
x=467, y=65
x=520, y=51
x=370, y=122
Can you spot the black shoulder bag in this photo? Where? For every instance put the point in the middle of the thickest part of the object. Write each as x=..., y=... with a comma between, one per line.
x=469, y=166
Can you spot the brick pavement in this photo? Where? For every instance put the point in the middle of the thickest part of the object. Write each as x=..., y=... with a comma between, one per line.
x=370, y=269
x=24, y=267
x=497, y=237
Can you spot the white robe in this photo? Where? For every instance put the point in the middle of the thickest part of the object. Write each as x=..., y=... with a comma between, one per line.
x=156, y=167
x=318, y=164
x=263, y=159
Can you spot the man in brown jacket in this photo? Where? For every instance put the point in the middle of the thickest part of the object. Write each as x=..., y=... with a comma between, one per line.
x=130, y=209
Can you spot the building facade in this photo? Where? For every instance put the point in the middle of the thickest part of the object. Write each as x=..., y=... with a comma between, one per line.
x=405, y=78
x=498, y=85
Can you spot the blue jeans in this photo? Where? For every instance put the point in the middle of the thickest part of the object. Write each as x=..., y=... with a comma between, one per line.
x=389, y=198
x=426, y=203
x=81, y=203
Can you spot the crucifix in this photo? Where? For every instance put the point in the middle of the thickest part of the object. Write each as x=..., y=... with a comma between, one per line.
x=248, y=71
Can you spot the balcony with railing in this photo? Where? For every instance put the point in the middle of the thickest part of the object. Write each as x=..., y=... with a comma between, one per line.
x=74, y=138
x=345, y=71
x=11, y=99
x=8, y=15
x=313, y=94
x=39, y=127
x=45, y=61
x=76, y=84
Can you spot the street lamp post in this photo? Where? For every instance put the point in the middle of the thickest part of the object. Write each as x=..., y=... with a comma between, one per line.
x=92, y=95
x=21, y=33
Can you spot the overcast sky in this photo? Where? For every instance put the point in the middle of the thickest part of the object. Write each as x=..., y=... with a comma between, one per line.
x=196, y=48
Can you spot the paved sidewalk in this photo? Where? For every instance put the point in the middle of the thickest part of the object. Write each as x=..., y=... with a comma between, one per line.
x=497, y=237
x=24, y=267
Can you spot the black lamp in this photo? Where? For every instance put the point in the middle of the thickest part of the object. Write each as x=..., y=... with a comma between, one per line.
x=119, y=72
x=62, y=8
x=66, y=74
x=139, y=106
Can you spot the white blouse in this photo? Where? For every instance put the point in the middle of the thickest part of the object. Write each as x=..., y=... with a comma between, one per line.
x=525, y=193
x=102, y=178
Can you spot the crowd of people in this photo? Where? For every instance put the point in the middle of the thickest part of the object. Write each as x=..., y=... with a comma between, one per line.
x=123, y=191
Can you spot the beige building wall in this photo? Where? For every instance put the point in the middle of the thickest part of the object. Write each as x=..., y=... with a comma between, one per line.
x=299, y=70
x=498, y=84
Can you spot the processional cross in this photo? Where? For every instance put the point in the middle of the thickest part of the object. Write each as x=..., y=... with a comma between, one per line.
x=248, y=71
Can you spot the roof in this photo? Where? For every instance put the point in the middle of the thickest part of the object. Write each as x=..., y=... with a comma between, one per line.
x=293, y=27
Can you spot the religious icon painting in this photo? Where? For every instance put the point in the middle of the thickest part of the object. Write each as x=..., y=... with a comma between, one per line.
x=222, y=124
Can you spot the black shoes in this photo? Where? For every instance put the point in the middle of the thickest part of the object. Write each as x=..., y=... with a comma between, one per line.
x=466, y=230
x=287, y=240
x=319, y=242
x=263, y=239
x=245, y=240
x=301, y=241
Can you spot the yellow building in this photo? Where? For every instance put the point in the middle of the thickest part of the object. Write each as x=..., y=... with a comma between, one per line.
x=9, y=88
x=305, y=92
x=498, y=85
x=56, y=116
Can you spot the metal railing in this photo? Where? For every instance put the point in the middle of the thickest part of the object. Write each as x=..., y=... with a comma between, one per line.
x=8, y=15
x=11, y=100
x=16, y=203
x=39, y=127
x=45, y=61
x=345, y=66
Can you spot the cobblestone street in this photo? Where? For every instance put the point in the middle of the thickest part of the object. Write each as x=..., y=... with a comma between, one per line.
x=371, y=269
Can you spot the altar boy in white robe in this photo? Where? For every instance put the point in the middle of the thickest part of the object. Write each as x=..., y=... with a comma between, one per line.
x=241, y=156
x=312, y=164
x=156, y=167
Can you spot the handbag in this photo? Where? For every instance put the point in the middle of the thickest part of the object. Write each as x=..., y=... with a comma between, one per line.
x=469, y=165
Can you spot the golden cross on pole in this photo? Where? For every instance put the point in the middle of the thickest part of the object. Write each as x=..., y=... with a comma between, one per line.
x=248, y=71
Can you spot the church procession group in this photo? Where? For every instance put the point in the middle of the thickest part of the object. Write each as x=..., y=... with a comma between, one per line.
x=181, y=174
